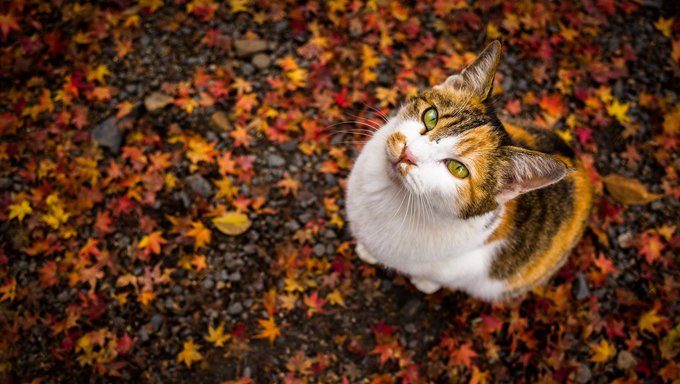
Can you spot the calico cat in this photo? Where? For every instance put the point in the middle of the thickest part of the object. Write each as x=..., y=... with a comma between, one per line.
x=451, y=196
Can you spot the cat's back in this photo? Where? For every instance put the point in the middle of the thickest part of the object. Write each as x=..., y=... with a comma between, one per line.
x=541, y=227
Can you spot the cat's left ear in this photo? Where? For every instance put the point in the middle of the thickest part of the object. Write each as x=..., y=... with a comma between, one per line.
x=525, y=170
x=478, y=76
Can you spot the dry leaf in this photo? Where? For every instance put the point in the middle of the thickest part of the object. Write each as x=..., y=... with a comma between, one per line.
x=157, y=100
x=232, y=223
x=628, y=191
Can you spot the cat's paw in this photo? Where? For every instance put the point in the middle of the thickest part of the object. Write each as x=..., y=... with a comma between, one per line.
x=364, y=255
x=425, y=286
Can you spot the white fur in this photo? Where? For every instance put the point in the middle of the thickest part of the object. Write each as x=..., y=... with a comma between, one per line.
x=410, y=223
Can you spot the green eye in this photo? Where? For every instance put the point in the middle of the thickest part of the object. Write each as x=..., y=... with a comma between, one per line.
x=430, y=118
x=457, y=169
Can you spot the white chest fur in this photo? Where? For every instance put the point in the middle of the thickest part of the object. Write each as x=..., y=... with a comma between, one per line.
x=402, y=230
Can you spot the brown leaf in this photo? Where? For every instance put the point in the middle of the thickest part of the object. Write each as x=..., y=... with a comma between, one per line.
x=157, y=100
x=220, y=120
x=628, y=191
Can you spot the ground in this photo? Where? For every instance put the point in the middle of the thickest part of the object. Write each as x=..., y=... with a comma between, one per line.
x=172, y=176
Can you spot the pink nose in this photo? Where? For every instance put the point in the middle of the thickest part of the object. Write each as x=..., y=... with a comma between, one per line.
x=408, y=155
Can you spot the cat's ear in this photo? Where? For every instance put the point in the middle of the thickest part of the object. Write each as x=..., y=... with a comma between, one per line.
x=478, y=76
x=525, y=170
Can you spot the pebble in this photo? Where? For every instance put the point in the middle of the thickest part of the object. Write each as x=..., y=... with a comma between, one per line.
x=411, y=307
x=246, y=47
x=156, y=321
x=583, y=374
x=200, y=185
x=275, y=160
x=247, y=69
x=261, y=61
x=108, y=134
x=319, y=249
x=580, y=287
x=625, y=360
x=289, y=146
x=208, y=283
x=235, y=308
x=235, y=277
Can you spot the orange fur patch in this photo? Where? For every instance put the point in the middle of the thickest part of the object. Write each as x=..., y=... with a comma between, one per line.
x=396, y=143
x=518, y=133
x=504, y=228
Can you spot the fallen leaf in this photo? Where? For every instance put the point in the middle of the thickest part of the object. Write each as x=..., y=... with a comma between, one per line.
x=189, y=354
x=628, y=191
x=232, y=223
x=157, y=100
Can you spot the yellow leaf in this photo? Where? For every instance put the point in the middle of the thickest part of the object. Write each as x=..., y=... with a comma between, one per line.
x=189, y=354
x=269, y=330
x=619, y=111
x=98, y=74
x=146, y=297
x=628, y=191
x=232, y=223
x=603, y=352
x=335, y=298
x=664, y=26
x=217, y=336
x=239, y=6
x=648, y=321
x=20, y=210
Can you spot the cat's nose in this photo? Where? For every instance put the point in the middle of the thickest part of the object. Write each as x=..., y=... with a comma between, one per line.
x=407, y=156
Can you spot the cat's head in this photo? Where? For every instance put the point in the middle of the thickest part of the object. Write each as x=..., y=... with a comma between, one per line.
x=446, y=145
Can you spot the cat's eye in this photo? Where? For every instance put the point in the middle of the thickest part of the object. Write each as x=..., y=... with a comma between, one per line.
x=457, y=169
x=430, y=118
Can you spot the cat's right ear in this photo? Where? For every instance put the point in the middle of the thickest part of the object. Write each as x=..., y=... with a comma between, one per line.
x=525, y=170
x=478, y=76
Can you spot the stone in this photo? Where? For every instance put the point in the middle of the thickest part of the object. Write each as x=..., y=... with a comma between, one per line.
x=246, y=47
x=156, y=321
x=583, y=374
x=200, y=185
x=625, y=360
x=235, y=308
x=580, y=287
x=157, y=100
x=261, y=61
x=108, y=134
x=411, y=308
x=275, y=160
x=221, y=121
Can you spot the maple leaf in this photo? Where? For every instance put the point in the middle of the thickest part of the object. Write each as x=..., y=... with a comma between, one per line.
x=20, y=210
x=602, y=352
x=8, y=290
x=335, y=298
x=146, y=297
x=650, y=246
x=198, y=262
x=619, y=111
x=239, y=6
x=269, y=330
x=241, y=136
x=387, y=351
x=189, y=353
x=217, y=336
x=662, y=25
x=8, y=23
x=648, y=321
x=200, y=233
x=463, y=355
x=152, y=242
x=314, y=304
x=124, y=344
x=289, y=185
x=225, y=188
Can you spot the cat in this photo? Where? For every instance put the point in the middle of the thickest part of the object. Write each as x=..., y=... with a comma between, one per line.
x=449, y=195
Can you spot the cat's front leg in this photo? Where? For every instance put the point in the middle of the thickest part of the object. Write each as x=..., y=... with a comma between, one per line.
x=424, y=285
x=364, y=255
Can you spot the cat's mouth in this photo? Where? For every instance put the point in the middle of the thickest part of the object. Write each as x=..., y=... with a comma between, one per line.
x=403, y=166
